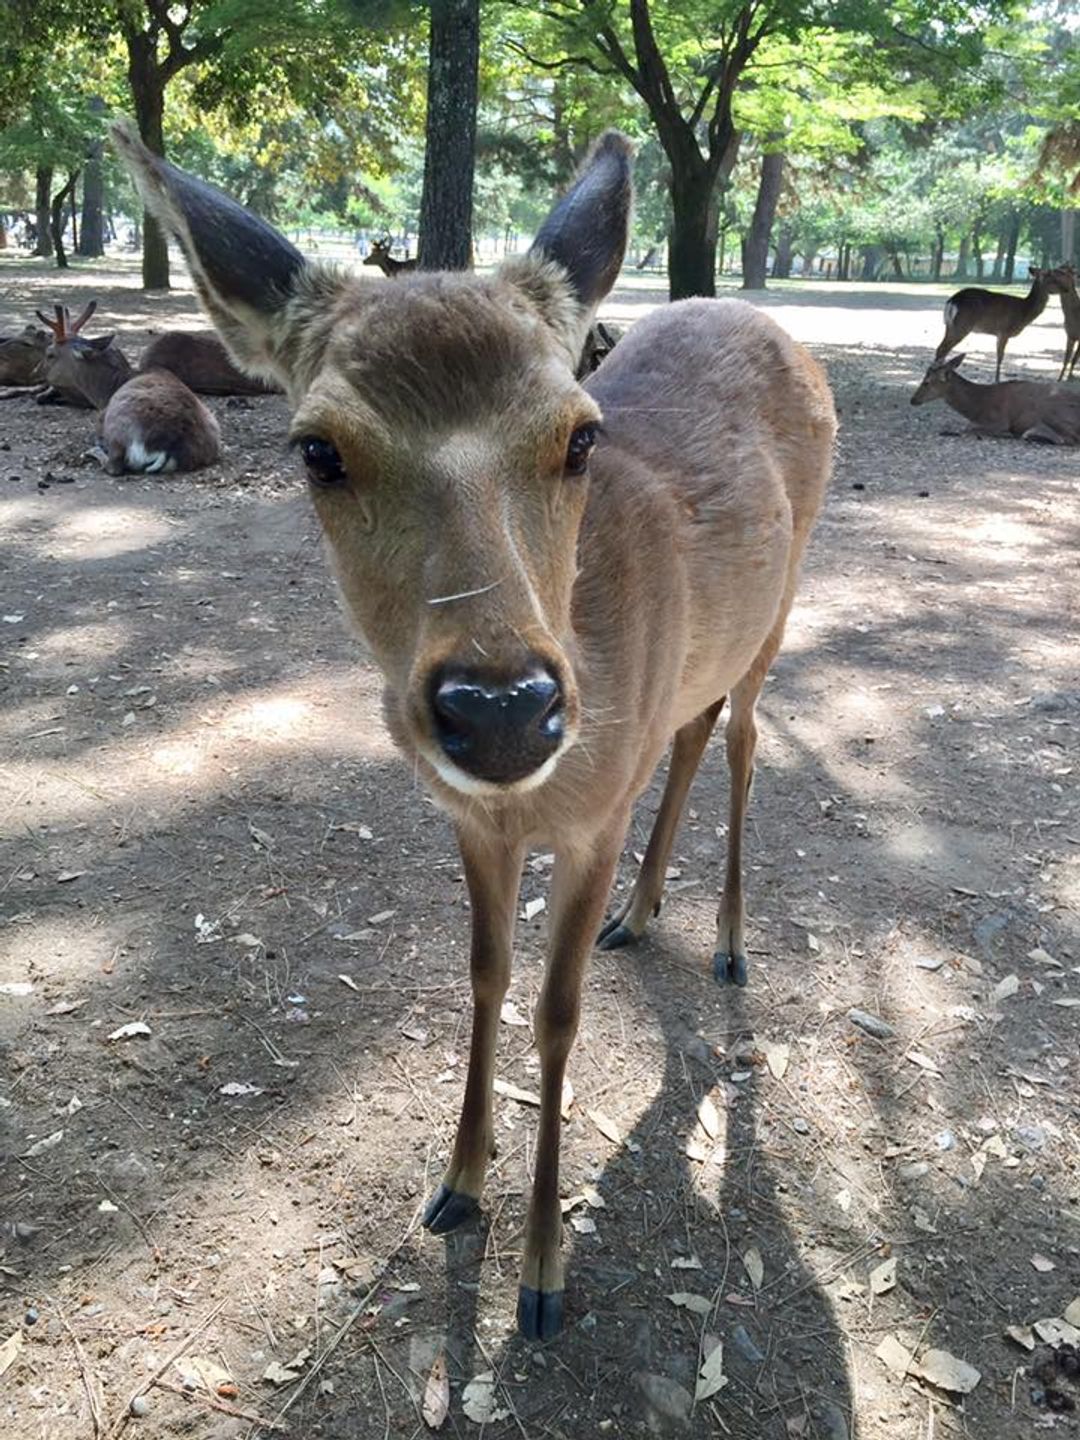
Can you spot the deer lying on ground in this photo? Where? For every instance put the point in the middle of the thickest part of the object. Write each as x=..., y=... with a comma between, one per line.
x=79, y=371
x=150, y=422
x=381, y=256
x=991, y=312
x=202, y=362
x=1070, y=309
x=22, y=357
x=554, y=579
x=1050, y=413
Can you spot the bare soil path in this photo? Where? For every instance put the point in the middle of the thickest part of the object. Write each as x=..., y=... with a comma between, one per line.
x=233, y=994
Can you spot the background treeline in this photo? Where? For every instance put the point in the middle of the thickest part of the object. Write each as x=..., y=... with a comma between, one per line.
x=854, y=140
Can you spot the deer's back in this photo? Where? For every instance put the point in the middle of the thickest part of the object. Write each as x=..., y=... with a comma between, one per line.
x=991, y=312
x=201, y=362
x=718, y=436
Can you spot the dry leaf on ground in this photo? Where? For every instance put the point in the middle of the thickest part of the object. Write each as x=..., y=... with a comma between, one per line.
x=894, y=1355
x=754, y=1266
x=606, y=1126
x=883, y=1278
x=479, y=1402
x=711, y=1378
x=777, y=1057
x=707, y=1115
x=947, y=1372
x=437, y=1393
x=687, y=1300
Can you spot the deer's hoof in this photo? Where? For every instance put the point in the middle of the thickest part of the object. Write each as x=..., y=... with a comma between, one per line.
x=448, y=1209
x=616, y=936
x=729, y=969
x=539, y=1313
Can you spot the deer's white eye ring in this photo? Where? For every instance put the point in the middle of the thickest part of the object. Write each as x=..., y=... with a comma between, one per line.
x=324, y=465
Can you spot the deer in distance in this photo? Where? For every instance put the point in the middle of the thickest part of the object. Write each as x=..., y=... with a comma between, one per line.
x=1048, y=413
x=150, y=422
x=556, y=579
x=22, y=357
x=991, y=312
x=381, y=256
x=1070, y=309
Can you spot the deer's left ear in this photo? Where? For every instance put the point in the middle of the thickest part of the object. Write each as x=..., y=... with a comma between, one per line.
x=246, y=273
x=577, y=254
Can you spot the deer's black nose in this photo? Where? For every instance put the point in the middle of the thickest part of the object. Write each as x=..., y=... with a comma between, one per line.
x=497, y=730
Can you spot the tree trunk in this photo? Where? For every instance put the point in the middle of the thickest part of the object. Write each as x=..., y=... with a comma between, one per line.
x=42, y=194
x=1010, y=248
x=785, y=242
x=692, y=247
x=1068, y=235
x=808, y=259
x=756, y=244
x=446, y=206
x=91, y=241
x=999, y=258
x=938, y=258
x=961, y=271
x=976, y=250
x=148, y=93
x=56, y=218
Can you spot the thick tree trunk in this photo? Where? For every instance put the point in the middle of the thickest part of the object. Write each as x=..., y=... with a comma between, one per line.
x=961, y=271
x=148, y=93
x=1010, y=249
x=756, y=244
x=92, y=241
x=785, y=242
x=999, y=258
x=446, y=206
x=977, y=251
x=808, y=260
x=938, y=258
x=692, y=246
x=56, y=219
x=1068, y=235
x=42, y=219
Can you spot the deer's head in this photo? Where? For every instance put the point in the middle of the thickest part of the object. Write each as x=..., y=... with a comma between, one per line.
x=446, y=444
x=935, y=382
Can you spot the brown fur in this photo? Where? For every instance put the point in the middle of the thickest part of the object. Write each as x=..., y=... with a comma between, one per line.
x=382, y=257
x=86, y=372
x=201, y=361
x=652, y=588
x=992, y=312
x=154, y=423
x=1070, y=310
x=22, y=357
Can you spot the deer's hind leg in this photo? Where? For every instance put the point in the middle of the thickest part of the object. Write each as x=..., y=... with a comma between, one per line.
x=628, y=924
x=729, y=961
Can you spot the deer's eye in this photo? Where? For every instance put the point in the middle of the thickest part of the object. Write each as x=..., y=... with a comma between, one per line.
x=324, y=464
x=580, y=448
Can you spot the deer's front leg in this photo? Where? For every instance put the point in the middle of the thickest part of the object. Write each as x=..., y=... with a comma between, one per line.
x=493, y=875
x=578, y=894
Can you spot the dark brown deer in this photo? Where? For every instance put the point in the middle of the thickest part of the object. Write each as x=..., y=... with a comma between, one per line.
x=79, y=371
x=201, y=361
x=555, y=579
x=22, y=357
x=155, y=424
x=1070, y=309
x=381, y=256
x=992, y=312
x=1034, y=411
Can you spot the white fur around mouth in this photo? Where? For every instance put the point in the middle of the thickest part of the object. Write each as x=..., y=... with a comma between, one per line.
x=467, y=784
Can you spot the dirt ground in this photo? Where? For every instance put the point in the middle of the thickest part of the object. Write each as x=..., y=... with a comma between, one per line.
x=206, y=835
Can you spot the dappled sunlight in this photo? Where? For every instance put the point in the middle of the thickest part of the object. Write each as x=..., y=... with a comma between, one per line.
x=58, y=951
x=94, y=643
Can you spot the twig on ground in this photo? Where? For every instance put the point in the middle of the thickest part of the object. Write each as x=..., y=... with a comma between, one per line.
x=121, y=1421
x=89, y=1379
x=215, y=1402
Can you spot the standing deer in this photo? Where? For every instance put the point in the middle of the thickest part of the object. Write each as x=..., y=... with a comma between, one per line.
x=1070, y=309
x=381, y=256
x=1049, y=413
x=991, y=312
x=555, y=579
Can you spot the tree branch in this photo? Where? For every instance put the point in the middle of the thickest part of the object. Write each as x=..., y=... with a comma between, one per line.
x=568, y=62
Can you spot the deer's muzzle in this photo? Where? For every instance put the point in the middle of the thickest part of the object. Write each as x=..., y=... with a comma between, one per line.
x=498, y=731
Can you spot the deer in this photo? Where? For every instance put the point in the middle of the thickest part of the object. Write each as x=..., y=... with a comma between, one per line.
x=22, y=357
x=557, y=580
x=79, y=371
x=1034, y=411
x=1070, y=309
x=992, y=312
x=150, y=422
x=202, y=362
x=381, y=256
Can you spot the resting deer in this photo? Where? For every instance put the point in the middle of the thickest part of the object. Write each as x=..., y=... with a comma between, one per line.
x=201, y=361
x=1070, y=309
x=381, y=256
x=79, y=371
x=555, y=579
x=22, y=357
x=991, y=312
x=150, y=422
x=1050, y=413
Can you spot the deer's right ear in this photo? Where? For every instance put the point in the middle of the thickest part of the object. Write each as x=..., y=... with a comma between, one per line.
x=244, y=270
x=955, y=361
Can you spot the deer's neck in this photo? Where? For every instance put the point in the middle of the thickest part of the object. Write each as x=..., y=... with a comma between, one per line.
x=972, y=400
x=1035, y=300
